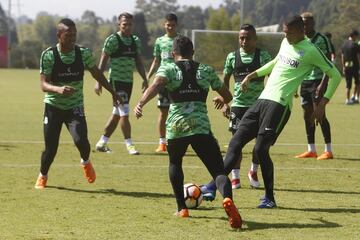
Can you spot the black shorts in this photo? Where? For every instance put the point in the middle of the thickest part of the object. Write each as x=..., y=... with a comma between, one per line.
x=351, y=73
x=308, y=91
x=236, y=114
x=265, y=117
x=124, y=89
x=163, y=99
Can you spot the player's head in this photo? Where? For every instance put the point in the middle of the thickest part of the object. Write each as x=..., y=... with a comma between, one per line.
x=247, y=38
x=354, y=35
x=66, y=33
x=170, y=24
x=183, y=47
x=309, y=23
x=328, y=35
x=125, y=22
x=293, y=28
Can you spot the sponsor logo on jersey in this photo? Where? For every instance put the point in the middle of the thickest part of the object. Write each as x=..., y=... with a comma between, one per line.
x=288, y=61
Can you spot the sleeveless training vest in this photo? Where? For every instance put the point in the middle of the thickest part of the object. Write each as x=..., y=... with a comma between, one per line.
x=242, y=69
x=63, y=72
x=189, y=90
x=124, y=50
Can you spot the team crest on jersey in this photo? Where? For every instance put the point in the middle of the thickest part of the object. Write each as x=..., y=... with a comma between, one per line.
x=179, y=76
x=301, y=53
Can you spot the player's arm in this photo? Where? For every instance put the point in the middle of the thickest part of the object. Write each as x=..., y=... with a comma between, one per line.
x=102, y=64
x=46, y=86
x=141, y=70
x=226, y=108
x=224, y=98
x=154, y=65
x=158, y=83
x=102, y=82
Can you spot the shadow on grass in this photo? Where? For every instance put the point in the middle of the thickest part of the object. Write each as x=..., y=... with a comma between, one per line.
x=325, y=210
x=316, y=191
x=347, y=158
x=322, y=224
x=116, y=193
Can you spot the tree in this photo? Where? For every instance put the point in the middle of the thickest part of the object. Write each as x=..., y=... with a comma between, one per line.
x=45, y=29
x=141, y=31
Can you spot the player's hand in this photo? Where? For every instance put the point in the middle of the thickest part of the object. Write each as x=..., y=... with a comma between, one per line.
x=138, y=111
x=244, y=84
x=218, y=102
x=226, y=111
x=117, y=99
x=145, y=85
x=319, y=110
x=66, y=90
x=98, y=88
x=296, y=95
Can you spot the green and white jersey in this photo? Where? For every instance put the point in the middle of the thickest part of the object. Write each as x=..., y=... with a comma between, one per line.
x=188, y=118
x=163, y=48
x=121, y=68
x=290, y=67
x=255, y=88
x=47, y=61
x=322, y=42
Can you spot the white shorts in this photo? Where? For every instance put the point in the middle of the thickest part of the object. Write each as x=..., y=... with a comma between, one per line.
x=121, y=110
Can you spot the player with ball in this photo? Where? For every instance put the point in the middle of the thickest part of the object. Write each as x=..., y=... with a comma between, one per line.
x=188, y=83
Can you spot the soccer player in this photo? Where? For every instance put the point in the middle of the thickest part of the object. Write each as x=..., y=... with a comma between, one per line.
x=162, y=56
x=61, y=77
x=124, y=51
x=265, y=119
x=240, y=63
x=350, y=59
x=188, y=83
x=311, y=89
x=332, y=48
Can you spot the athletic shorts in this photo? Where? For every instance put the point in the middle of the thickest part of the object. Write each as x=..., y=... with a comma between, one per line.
x=308, y=91
x=351, y=73
x=163, y=99
x=124, y=89
x=236, y=114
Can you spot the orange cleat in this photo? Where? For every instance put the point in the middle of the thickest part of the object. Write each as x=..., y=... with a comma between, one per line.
x=325, y=156
x=161, y=148
x=307, y=154
x=183, y=213
x=41, y=182
x=89, y=172
x=233, y=213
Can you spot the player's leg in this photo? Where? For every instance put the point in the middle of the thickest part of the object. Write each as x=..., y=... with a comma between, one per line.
x=348, y=79
x=110, y=127
x=176, y=150
x=52, y=123
x=163, y=105
x=326, y=131
x=357, y=85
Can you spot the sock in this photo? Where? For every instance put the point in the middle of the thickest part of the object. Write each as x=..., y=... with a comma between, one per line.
x=128, y=141
x=83, y=162
x=162, y=140
x=311, y=147
x=254, y=167
x=328, y=147
x=103, y=139
x=235, y=173
x=41, y=175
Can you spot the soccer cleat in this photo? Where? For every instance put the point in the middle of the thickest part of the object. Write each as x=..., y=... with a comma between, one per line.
x=235, y=183
x=183, y=213
x=307, y=154
x=253, y=178
x=266, y=203
x=41, y=182
x=349, y=102
x=161, y=148
x=233, y=213
x=102, y=147
x=208, y=194
x=131, y=149
x=89, y=172
x=354, y=100
x=325, y=156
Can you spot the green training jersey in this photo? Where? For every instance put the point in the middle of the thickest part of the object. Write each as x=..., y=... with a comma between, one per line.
x=47, y=61
x=245, y=99
x=121, y=68
x=188, y=118
x=289, y=68
x=163, y=49
x=322, y=42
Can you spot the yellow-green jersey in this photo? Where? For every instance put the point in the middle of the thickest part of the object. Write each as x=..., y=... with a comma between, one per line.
x=66, y=69
x=122, y=51
x=289, y=68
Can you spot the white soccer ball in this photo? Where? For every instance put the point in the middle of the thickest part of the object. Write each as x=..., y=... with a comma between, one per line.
x=192, y=194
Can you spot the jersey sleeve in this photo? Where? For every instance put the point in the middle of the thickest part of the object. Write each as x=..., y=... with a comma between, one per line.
x=267, y=68
x=318, y=58
x=110, y=45
x=47, y=62
x=88, y=59
x=214, y=79
x=229, y=64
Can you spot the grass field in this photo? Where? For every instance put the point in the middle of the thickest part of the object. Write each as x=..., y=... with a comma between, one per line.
x=132, y=197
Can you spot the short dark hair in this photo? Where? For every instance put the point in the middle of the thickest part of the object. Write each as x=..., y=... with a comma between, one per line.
x=294, y=21
x=248, y=27
x=67, y=22
x=354, y=33
x=171, y=17
x=183, y=46
x=328, y=34
x=125, y=15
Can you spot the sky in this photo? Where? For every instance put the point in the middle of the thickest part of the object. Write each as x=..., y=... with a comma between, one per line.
x=106, y=9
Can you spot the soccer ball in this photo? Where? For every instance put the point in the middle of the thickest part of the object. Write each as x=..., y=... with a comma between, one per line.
x=192, y=194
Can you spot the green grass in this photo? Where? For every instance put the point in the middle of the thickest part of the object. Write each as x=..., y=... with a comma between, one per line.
x=132, y=197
